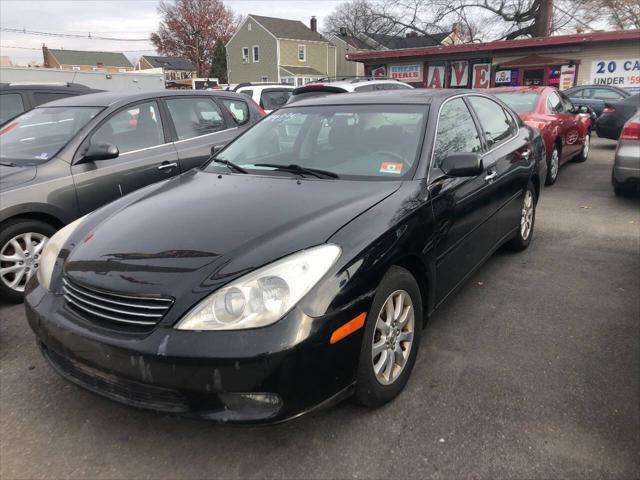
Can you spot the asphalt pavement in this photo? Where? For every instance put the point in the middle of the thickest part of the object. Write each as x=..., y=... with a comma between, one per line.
x=532, y=371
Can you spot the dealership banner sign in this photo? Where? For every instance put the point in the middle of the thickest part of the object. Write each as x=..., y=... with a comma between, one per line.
x=481, y=75
x=406, y=73
x=503, y=76
x=435, y=76
x=620, y=72
x=567, y=76
x=459, y=74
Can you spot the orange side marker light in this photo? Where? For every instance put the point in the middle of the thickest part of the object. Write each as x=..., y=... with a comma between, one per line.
x=348, y=328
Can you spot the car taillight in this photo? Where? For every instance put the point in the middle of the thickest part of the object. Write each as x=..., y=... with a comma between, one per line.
x=608, y=110
x=631, y=131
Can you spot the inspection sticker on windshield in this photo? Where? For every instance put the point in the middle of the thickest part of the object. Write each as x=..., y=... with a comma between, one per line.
x=391, y=167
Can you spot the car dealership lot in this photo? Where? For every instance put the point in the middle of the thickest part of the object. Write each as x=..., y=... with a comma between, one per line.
x=531, y=371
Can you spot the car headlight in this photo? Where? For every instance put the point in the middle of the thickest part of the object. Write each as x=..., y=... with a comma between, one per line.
x=51, y=251
x=263, y=296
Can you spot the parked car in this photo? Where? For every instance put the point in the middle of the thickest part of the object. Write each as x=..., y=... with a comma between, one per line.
x=270, y=96
x=17, y=98
x=332, y=85
x=345, y=222
x=565, y=129
x=626, y=165
x=67, y=158
x=595, y=96
x=615, y=115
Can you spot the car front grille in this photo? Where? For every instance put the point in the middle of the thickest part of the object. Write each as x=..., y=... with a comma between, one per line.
x=115, y=308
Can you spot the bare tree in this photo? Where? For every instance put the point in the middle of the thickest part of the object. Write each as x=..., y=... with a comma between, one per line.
x=358, y=16
x=619, y=14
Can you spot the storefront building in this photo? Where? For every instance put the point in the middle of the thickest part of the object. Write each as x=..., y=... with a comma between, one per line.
x=604, y=58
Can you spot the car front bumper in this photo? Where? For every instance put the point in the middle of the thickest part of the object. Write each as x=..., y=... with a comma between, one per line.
x=264, y=375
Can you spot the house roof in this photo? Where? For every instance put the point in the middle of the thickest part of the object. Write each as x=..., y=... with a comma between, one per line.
x=283, y=28
x=82, y=57
x=395, y=42
x=499, y=46
x=285, y=70
x=169, y=63
x=354, y=42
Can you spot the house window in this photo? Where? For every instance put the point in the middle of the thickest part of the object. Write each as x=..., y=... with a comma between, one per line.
x=256, y=54
x=302, y=53
x=249, y=26
x=245, y=54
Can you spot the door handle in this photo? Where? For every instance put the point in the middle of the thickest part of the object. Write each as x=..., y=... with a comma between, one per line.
x=164, y=166
x=490, y=176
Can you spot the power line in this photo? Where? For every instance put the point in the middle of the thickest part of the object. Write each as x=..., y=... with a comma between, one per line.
x=89, y=36
x=106, y=51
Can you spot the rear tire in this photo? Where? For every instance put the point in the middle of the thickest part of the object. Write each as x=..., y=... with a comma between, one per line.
x=396, y=343
x=19, y=261
x=524, y=234
x=553, y=166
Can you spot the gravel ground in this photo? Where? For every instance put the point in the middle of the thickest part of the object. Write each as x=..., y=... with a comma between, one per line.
x=532, y=371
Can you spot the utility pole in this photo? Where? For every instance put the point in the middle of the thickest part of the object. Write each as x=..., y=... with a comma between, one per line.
x=545, y=18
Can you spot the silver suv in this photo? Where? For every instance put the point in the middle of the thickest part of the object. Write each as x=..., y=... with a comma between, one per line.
x=327, y=86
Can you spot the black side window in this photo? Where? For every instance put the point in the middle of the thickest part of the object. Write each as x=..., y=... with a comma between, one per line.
x=606, y=94
x=578, y=94
x=238, y=109
x=457, y=132
x=10, y=106
x=44, y=97
x=194, y=117
x=495, y=123
x=365, y=88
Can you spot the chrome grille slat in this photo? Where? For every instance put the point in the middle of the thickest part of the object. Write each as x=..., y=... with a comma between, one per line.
x=107, y=300
x=79, y=298
x=114, y=307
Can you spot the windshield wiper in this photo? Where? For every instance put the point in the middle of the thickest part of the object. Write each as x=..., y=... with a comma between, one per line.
x=293, y=168
x=7, y=164
x=230, y=165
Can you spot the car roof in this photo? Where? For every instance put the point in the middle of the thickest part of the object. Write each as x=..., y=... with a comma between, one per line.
x=115, y=99
x=62, y=86
x=531, y=89
x=408, y=97
x=353, y=82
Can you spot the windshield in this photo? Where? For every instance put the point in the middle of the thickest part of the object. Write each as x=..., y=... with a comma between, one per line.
x=521, y=102
x=353, y=141
x=37, y=136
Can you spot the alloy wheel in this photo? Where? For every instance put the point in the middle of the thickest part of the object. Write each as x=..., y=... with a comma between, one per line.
x=393, y=337
x=526, y=221
x=554, y=163
x=20, y=259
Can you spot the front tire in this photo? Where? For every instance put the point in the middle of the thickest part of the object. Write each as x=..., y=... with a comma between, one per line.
x=391, y=339
x=524, y=234
x=21, y=243
x=584, y=153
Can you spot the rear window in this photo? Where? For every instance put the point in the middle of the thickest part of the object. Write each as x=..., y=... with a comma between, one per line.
x=46, y=97
x=307, y=92
x=10, y=106
x=273, y=99
x=520, y=102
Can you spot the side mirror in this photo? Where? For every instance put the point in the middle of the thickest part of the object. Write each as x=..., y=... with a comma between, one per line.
x=100, y=151
x=215, y=150
x=462, y=165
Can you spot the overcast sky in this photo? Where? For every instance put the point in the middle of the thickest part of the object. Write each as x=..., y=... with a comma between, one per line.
x=132, y=19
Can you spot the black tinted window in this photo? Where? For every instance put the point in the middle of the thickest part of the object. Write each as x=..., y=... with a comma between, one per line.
x=274, y=99
x=603, y=94
x=10, y=106
x=493, y=119
x=194, y=117
x=136, y=127
x=457, y=132
x=44, y=97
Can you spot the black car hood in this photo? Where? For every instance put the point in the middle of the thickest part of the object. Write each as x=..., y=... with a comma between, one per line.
x=12, y=176
x=192, y=234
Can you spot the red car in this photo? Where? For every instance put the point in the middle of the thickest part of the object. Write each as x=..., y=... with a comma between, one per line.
x=564, y=129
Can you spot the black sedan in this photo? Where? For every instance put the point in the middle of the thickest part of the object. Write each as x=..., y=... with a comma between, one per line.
x=595, y=96
x=615, y=115
x=298, y=267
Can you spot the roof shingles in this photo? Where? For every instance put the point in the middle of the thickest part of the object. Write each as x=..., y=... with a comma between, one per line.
x=291, y=29
x=82, y=57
